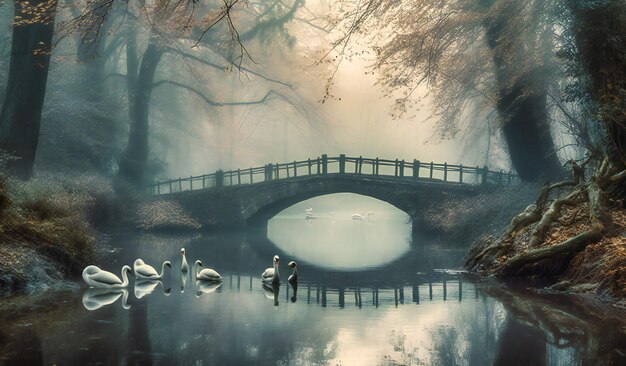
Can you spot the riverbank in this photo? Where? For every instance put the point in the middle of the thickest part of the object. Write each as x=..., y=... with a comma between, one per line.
x=572, y=237
x=45, y=236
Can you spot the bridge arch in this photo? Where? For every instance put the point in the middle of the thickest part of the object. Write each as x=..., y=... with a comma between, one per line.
x=252, y=205
x=264, y=214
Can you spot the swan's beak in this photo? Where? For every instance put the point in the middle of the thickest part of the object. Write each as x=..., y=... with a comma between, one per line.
x=169, y=265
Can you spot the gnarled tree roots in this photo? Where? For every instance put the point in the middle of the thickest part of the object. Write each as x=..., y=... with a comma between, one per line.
x=527, y=246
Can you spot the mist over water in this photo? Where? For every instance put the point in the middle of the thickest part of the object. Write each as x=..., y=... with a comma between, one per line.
x=331, y=238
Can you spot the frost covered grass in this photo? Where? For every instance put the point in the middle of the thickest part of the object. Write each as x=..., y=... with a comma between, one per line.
x=45, y=233
x=164, y=215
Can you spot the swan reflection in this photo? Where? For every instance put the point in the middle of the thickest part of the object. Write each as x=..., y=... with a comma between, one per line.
x=183, y=281
x=146, y=287
x=271, y=291
x=95, y=298
x=294, y=287
x=206, y=287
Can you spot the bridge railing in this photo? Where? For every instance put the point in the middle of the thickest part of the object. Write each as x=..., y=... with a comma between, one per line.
x=325, y=165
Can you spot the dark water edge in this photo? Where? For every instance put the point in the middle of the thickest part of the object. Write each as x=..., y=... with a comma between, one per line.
x=410, y=311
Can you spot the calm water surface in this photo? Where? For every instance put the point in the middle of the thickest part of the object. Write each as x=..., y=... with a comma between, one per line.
x=363, y=298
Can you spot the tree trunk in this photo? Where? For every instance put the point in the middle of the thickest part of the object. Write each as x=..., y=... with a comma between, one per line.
x=599, y=31
x=521, y=101
x=92, y=51
x=20, y=118
x=135, y=158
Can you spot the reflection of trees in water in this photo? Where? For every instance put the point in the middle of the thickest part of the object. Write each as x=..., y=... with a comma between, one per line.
x=568, y=328
x=520, y=344
x=138, y=341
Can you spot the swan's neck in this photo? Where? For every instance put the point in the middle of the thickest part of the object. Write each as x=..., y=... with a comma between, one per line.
x=125, y=276
x=162, y=269
x=195, y=269
x=295, y=271
x=276, y=274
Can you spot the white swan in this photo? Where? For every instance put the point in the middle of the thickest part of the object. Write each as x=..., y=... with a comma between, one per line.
x=184, y=267
x=309, y=215
x=147, y=286
x=95, y=277
x=360, y=217
x=206, y=287
x=143, y=270
x=271, y=275
x=95, y=298
x=206, y=274
x=293, y=278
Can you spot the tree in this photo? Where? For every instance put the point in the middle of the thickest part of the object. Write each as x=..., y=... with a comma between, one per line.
x=31, y=47
x=141, y=82
x=472, y=54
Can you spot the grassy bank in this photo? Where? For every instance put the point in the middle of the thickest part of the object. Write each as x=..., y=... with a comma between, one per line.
x=45, y=235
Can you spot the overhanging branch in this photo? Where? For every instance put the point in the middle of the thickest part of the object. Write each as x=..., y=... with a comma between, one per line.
x=222, y=67
x=267, y=97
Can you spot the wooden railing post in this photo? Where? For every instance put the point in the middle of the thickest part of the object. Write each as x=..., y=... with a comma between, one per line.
x=416, y=168
x=431, y=170
x=170, y=184
x=180, y=184
x=395, y=168
x=342, y=163
x=158, y=186
x=485, y=175
x=376, y=166
x=191, y=182
x=295, y=169
x=324, y=164
x=219, y=178
x=318, y=166
x=445, y=172
x=268, y=172
x=309, y=165
x=276, y=171
x=238, y=176
x=402, y=168
x=203, y=181
x=360, y=163
x=461, y=173
x=251, y=177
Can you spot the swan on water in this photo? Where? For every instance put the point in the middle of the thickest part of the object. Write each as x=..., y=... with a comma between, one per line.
x=95, y=298
x=360, y=217
x=206, y=274
x=271, y=275
x=146, y=271
x=147, y=286
x=206, y=287
x=95, y=277
x=184, y=267
x=293, y=278
x=309, y=215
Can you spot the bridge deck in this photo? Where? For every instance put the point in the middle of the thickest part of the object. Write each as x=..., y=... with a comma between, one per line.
x=367, y=168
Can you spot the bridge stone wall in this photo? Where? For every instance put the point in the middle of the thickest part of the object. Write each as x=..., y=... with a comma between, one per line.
x=251, y=206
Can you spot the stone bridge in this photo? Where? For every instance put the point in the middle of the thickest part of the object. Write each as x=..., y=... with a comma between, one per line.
x=248, y=198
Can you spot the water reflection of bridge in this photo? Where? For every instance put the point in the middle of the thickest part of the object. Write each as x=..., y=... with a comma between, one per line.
x=440, y=288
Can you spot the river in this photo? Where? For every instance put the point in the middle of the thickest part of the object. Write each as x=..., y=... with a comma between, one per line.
x=369, y=293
